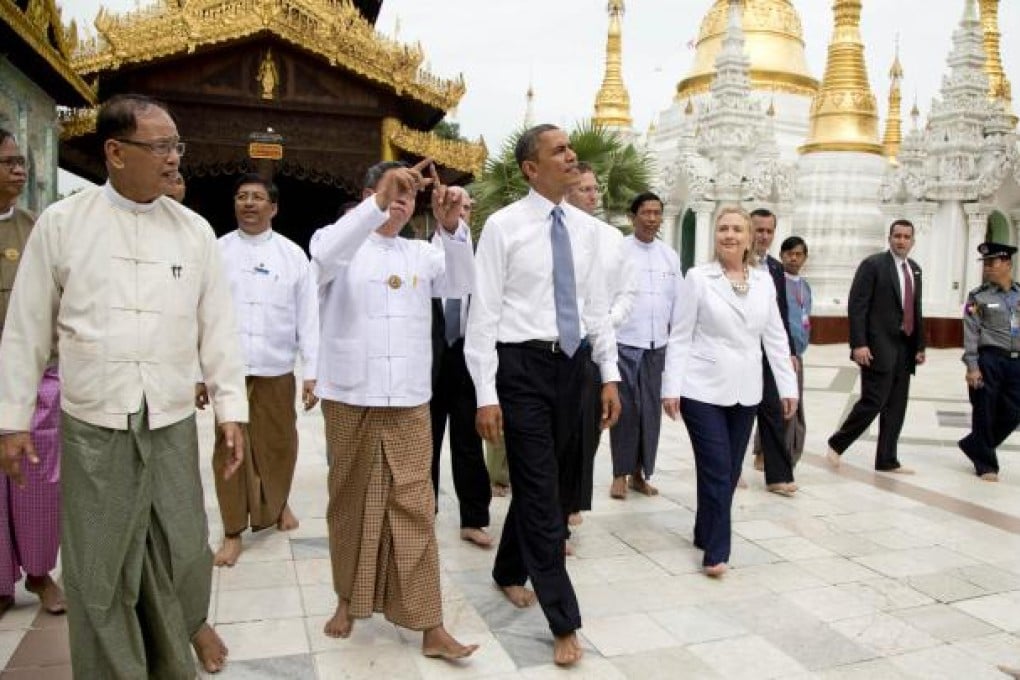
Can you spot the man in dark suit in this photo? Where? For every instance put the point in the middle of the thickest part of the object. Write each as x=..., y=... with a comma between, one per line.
x=887, y=342
x=770, y=442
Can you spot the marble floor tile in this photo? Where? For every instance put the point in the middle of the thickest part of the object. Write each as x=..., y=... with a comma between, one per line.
x=264, y=639
x=830, y=603
x=816, y=646
x=627, y=634
x=372, y=632
x=781, y=577
x=690, y=625
x=885, y=594
x=673, y=663
x=316, y=571
x=258, y=604
x=794, y=548
x=299, y=667
x=914, y=562
x=378, y=663
x=245, y=575
x=9, y=640
x=1002, y=610
x=835, y=570
x=755, y=530
x=945, y=586
x=625, y=568
x=318, y=599
x=310, y=548
x=884, y=634
x=945, y=623
x=944, y=662
x=749, y=657
x=535, y=649
x=995, y=649
x=590, y=668
x=865, y=670
x=489, y=659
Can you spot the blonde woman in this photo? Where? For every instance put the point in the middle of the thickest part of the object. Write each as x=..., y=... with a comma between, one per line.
x=713, y=373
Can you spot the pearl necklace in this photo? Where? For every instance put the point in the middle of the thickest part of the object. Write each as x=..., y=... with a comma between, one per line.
x=740, y=287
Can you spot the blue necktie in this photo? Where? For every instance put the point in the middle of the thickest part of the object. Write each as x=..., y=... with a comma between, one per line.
x=451, y=317
x=564, y=288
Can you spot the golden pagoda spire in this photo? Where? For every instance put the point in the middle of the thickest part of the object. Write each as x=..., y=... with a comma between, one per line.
x=844, y=114
x=612, y=104
x=998, y=85
x=893, y=128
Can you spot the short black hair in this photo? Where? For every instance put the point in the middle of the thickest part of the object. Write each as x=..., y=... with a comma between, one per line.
x=901, y=223
x=641, y=199
x=584, y=167
x=526, y=148
x=792, y=242
x=252, y=178
x=765, y=212
x=118, y=115
x=375, y=173
x=6, y=134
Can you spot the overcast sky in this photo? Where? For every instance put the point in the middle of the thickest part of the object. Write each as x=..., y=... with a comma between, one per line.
x=559, y=45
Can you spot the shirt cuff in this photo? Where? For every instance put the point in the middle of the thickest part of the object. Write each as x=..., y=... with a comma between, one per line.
x=233, y=411
x=487, y=396
x=610, y=372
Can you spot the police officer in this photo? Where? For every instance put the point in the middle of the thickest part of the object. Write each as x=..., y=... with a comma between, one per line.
x=991, y=351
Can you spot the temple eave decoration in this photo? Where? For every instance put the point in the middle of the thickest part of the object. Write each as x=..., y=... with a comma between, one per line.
x=41, y=28
x=334, y=30
x=464, y=156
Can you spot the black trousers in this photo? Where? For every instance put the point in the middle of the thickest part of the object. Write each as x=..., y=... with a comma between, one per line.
x=884, y=395
x=580, y=487
x=772, y=431
x=540, y=395
x=995, y=410
x=453, y=397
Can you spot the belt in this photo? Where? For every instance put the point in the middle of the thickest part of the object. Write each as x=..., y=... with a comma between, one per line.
x=999, y=352
x=551, y=346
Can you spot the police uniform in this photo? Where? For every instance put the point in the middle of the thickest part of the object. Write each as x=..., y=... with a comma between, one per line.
x=991, y=341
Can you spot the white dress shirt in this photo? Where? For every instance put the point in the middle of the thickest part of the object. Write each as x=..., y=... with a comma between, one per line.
x=621, y=284
x=465, y=301
x=714, y=353
x=513, y=298
x=137, y=297
x=899, y=274
x=375, y=346
x=275, y=301
x=656, y=306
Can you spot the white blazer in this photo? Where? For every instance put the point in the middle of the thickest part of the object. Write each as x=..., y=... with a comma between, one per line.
x=714, y=349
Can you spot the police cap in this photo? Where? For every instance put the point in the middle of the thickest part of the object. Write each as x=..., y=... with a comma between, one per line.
x=991, y=249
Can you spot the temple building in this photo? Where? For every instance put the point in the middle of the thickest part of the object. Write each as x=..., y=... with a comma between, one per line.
x=750, y=125
x=304, y=90
x=35, y=77
x=612, y=103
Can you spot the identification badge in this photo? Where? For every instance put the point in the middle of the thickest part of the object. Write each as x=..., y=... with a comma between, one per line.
x=11, y=254
x=394, y=282
x=1014, y=323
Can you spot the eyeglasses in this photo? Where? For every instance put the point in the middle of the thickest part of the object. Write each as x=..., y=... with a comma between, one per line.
x=11, y=162
x=161, y=149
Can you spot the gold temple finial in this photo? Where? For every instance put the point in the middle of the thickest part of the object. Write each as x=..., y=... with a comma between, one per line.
x=268, y=76
x=915, y=113
x=771, y=110
x=689, y=109
x=844, y=114
x=893, y=127
x=612, y=104
x=998, y=84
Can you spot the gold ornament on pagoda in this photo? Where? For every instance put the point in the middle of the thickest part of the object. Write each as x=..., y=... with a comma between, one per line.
x=999, y=88
x=468, y=157
x=773, y=40
x=612, y=104
x=268, y=77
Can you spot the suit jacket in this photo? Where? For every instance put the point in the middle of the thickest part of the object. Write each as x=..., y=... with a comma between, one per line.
x=714, y=352
x=875, y=309
x=779, y=281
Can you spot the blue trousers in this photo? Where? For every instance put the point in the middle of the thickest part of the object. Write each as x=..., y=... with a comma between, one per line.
x=996, y=410
x=719, y=436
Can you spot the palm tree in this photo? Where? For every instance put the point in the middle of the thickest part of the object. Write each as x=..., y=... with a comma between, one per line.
x=621, y=169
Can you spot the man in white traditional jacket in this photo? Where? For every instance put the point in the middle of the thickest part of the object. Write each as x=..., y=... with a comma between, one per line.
x=276, y=304
x=375, y=382
x=128, y=283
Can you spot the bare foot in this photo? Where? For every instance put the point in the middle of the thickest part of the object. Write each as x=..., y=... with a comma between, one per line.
x=901, y=470
x=229, y=551
x=437, y=643
x=1010, y=671
x=833, y=458
x=209, y=648
x=477, y=536
x=715, y=570
x=51, y=597
x=759, y=462
x=990, y=477
x=641, y=485
x=780, y=488
x=519, y=596
x=574, y=519
x=566, y=649
x=287, y=521
x=568, y=549
x=340, y=625
x=618, y=489
x=6, y=602
x=500, y=490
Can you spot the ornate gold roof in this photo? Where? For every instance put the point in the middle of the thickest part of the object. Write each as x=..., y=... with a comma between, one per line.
x=844, y=115
x=332, y=29
x=467, y=157
x=612, y=104
x=42, y=29
x=998, y=84
x=773, y=39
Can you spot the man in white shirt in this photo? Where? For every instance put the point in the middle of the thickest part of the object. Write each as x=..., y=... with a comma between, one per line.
x=621, y=290
x=641, y=342
x=540, y=290
x=374, y=379
x=276, y=305
x=453, y=399
x=128, y=283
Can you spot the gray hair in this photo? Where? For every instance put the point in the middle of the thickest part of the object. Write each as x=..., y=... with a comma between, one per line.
x=375, y=173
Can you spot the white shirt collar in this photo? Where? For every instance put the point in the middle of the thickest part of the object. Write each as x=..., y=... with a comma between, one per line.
x=9, y=214
x=543, y=204
x=256, y=238
x=897, y=259
x=125, y=203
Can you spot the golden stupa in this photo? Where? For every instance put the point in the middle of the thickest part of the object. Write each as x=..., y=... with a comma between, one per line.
x=773, y=39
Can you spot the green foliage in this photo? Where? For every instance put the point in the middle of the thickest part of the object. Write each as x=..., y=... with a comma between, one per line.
x=622, y=171
x=447, y=130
